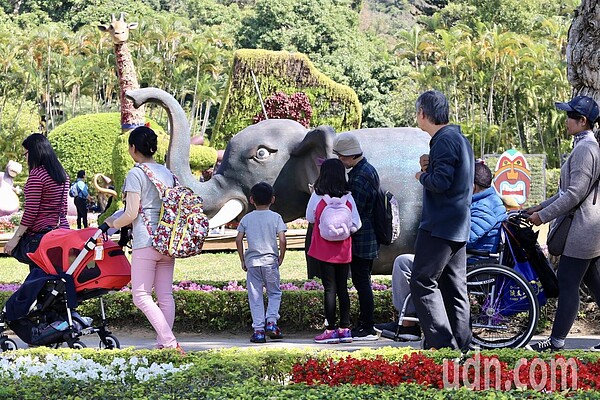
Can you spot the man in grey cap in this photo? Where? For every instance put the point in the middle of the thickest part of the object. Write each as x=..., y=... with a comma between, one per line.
x=438, y=283
x=364, y=183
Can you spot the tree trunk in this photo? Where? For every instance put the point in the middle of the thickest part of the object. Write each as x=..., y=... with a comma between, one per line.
x=205, y=118
x=582, y=50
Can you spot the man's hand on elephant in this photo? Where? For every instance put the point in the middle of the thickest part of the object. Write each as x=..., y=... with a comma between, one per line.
x=424, y=162
x=418, y=175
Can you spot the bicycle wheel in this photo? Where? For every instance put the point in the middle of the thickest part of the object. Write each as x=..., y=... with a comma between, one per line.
x=504, y=308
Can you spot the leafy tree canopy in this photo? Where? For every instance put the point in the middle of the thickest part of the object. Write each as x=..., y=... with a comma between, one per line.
x=512, y=15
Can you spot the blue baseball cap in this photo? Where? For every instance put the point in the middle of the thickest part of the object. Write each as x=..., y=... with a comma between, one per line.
x=582, y=105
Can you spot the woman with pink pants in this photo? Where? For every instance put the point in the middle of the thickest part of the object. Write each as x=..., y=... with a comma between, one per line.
x=150, y=270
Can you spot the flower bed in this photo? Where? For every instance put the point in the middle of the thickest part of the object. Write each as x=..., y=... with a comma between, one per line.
x=388, y=373
x=479, y=372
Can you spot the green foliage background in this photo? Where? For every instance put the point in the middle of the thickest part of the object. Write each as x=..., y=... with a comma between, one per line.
x=502, y=63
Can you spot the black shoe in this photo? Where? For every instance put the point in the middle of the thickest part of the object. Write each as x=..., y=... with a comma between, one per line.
x=390, y=326
x=364, y=334
x=595, y=348
x=544, y=345
x=410, y=333
x=402, y=333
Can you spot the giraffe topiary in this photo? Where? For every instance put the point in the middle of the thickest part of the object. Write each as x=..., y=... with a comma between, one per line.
x=131, y=117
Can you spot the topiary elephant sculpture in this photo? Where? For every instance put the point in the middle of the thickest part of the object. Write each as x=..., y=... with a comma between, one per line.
x=287, y=156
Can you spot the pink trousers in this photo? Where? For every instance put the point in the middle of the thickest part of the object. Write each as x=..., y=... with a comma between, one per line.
x=152, y=270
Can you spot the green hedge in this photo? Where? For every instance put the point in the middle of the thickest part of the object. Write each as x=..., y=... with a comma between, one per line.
x=332, y=103
x=201, y=158
x=198, y=311
x=87, y=142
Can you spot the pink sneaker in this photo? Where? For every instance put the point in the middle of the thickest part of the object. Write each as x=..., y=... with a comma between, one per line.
x=345, y=335
x=329, y=336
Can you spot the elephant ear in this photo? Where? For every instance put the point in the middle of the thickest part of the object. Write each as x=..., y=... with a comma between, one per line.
x=316, y=147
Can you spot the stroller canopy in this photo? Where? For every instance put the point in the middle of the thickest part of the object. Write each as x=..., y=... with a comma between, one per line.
x=59, y=248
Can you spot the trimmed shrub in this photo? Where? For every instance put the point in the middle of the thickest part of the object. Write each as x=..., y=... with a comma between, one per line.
x=332, y=103
x=202, y=158
x=87, y=142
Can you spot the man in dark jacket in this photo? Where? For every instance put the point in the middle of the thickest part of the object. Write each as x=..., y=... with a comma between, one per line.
x=364, y=183
x=439, y=283
x=487, y=213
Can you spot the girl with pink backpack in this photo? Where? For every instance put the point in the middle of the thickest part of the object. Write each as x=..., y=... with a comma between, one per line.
x=333, y=247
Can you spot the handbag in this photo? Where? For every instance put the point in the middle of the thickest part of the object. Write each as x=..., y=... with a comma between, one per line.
x=557, y=237
x=28, y=243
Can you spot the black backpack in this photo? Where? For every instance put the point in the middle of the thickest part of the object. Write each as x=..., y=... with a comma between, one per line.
x=387, y=217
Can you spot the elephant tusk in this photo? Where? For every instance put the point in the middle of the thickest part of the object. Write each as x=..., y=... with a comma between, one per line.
x=227, y=213
x=99, y=188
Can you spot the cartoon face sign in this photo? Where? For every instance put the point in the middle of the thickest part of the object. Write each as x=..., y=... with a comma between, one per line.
x=513, y=177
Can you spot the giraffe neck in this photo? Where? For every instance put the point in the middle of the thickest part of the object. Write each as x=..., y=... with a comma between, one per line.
x=130, y=116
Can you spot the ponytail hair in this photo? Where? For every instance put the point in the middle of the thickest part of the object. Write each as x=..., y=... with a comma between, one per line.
x=145, y=140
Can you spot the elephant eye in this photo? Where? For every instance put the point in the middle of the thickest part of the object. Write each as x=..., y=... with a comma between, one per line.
x=262, y=154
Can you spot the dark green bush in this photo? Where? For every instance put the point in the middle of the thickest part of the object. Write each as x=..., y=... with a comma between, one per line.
x=197, y=311
x=87, y=142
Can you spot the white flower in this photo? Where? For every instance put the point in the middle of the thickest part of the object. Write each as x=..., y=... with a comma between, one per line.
x=75, y=366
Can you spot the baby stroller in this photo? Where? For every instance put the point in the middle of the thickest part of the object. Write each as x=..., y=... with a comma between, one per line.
x=42, y=311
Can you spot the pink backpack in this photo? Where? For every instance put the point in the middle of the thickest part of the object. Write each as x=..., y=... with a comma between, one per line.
x=335, y=223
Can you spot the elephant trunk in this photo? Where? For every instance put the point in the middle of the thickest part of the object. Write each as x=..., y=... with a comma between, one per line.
x=219, y=201
x=178, y=156
x=222, y=202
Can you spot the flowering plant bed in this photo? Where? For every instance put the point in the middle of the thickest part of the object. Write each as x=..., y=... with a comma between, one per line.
x=478, y=372
x=387, y=373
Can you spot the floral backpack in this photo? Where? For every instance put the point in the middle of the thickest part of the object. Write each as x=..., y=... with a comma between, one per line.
x=182, y=225
x=335, y=222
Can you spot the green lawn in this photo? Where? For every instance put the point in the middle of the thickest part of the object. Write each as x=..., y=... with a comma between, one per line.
x=205, y=267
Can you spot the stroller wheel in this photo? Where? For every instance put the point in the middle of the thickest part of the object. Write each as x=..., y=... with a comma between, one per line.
x=110, y=342
x=8, y=345
x=78, y=345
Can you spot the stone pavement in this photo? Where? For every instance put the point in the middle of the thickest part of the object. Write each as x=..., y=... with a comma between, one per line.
x=145, y=339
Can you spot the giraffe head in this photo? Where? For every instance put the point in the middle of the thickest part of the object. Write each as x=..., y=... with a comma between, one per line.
x=118, y=29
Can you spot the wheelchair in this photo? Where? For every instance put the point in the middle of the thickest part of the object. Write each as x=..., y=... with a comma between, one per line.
x=504, y=305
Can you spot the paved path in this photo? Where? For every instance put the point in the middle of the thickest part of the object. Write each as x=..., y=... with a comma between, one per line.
x=145, y=339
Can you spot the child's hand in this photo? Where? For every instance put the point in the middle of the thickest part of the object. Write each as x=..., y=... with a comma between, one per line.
x=244, y=266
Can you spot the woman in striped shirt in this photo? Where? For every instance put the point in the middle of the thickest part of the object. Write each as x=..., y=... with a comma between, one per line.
x=46, y=192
